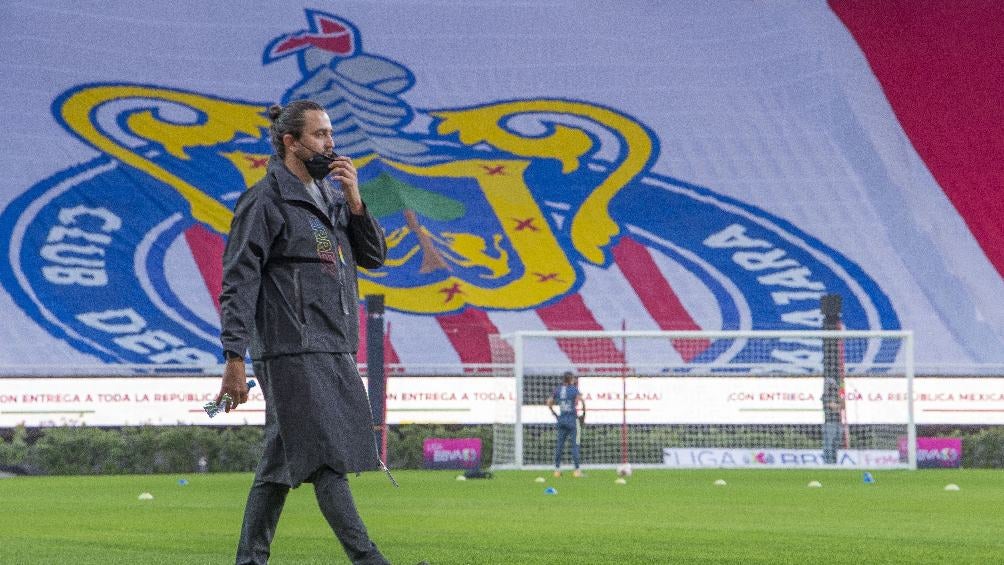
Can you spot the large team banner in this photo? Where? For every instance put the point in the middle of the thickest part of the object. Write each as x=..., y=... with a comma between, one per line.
x=626, y=165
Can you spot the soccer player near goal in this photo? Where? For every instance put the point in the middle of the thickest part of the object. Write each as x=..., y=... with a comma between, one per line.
x=568, y=420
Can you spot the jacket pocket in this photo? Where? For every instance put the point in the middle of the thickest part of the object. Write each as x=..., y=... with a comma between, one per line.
x=301, y=318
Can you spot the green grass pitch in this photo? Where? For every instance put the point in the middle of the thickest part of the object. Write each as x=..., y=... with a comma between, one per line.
x=659, y=516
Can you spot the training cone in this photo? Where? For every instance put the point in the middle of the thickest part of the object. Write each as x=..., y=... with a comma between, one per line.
x=145, y=496
x=461, y=478
x=620, y=481
x=868, y=478
x=815, y=484
x=952, y=486
x=550, y=490
x=540, y=480
x=720, y=483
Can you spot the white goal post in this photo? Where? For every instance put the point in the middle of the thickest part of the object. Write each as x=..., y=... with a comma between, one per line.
x=682, y=399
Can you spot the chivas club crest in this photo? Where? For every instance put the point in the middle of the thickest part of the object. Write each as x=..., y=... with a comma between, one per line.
x=506, y=206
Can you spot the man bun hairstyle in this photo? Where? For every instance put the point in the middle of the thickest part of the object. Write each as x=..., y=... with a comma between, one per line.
x=289, y=119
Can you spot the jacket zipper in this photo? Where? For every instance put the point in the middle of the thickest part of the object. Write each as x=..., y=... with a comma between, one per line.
x=341, y=280
x=301, y=317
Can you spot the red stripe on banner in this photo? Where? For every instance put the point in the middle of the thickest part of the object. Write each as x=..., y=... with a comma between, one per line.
x=571, y=313
x=941, y=66
x=655, y=293
x=468, y=331
x=390, y=354
x=207, y=250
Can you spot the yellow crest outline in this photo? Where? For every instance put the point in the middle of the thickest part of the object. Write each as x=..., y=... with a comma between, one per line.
x=592, y=227
x=547, y=270
x=224, y=120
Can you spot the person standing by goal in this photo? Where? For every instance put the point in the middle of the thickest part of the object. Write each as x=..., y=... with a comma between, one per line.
x=569, y=420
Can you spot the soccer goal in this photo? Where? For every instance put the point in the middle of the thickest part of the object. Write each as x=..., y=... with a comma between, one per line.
x=678, y=399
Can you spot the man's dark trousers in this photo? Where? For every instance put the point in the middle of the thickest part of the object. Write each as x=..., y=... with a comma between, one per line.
x=264, y=506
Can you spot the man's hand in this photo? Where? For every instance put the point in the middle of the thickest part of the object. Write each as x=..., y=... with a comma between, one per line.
x=582, y=418
x=234, y=384
x=344, y=171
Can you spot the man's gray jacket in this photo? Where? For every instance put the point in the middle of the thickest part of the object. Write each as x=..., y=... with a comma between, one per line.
x=289, y=270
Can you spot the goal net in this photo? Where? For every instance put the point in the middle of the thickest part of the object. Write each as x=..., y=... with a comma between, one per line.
x=675, y=399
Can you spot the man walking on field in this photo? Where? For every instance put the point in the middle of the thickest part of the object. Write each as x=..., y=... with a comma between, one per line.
x=569, y=421
x=290, y=296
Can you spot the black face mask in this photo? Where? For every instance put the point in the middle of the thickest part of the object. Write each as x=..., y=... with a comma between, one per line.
x=317, y=166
